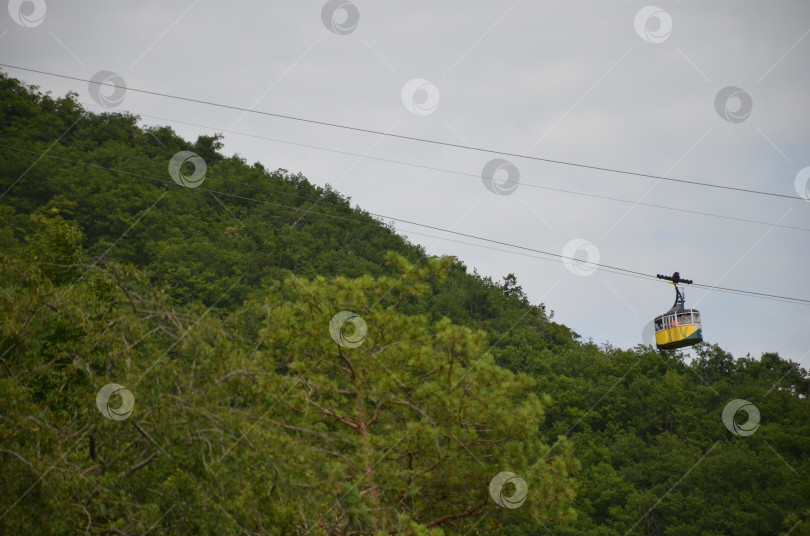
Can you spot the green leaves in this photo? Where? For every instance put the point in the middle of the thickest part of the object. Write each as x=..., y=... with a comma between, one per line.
x=252, y=416
x=420, y=414
x=275, y=424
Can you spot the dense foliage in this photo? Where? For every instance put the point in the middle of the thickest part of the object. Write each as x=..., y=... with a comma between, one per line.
x=212, y=306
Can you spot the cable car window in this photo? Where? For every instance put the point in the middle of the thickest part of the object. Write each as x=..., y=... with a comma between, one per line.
x=696, y=315
x=659, y=325
x=684, y=318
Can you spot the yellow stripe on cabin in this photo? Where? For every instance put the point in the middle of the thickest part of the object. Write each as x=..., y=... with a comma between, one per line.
x=678, y=333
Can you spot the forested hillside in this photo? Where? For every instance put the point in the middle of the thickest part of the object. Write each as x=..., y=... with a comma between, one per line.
x=245, y=401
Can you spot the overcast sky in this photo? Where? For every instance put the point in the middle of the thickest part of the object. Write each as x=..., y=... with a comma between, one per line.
x=611, y=84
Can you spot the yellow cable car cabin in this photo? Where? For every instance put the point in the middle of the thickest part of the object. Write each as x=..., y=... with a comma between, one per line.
x=678, y=327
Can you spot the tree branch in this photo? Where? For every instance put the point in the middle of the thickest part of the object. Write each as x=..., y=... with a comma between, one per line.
x=471, y=511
